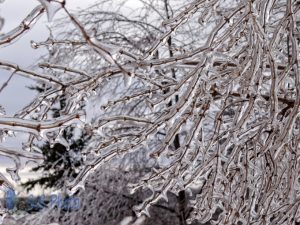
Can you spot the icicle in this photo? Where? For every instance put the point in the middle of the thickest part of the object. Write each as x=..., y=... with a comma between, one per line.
x=109, y=52
x=140, y=213
x=60, y=139
x=133, y=190
x=127, y=81
x=33, y=44
x=189, y=192
x=51, y=142
x=132, y=75
x=13, y=172
x=152, y=54
x=127, y=221
x=151, y=93
x=103, y=108
x=52, y=7
x=2, y=216
x=145, y=212
x=74, y=189
x=100, y=132
x=164, y=195
x=165, y=40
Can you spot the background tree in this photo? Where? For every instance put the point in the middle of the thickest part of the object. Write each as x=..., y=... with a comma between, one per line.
x=62, y=158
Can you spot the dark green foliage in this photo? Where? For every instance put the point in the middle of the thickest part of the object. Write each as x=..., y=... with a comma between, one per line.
x=59, y=161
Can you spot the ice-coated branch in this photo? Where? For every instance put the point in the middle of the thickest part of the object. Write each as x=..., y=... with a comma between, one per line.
x=30, y=74
x=9, y=37
x=219, y=77
x=19, y=153
x=32, y=126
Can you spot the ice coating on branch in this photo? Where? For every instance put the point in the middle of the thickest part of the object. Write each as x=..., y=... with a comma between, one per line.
x=17, y=32
x=108, y=52
x=213, y=106
x=20, y=158
x=52, y=7
x=34, y=45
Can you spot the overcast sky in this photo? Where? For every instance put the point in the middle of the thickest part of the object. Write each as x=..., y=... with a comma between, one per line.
x=16, y=95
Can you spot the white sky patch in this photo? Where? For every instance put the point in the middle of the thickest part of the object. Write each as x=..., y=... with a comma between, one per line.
x=17, y=95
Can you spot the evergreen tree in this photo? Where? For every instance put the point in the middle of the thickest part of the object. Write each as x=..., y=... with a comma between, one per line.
x=61, y=160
